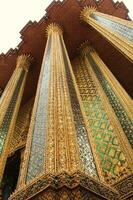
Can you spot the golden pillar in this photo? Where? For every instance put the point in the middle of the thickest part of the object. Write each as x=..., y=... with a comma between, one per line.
x=9, y=106
x=117, y=31
x=118, y=98
x=55, y=118
x=108, y=110
x=58, y=158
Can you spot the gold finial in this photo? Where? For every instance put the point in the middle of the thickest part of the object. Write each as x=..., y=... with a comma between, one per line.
x=24, y=61
x=86, y=12
x=85, y=48
x=53, y=27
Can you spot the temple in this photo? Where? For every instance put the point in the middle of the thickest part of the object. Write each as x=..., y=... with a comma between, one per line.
x=66, y=108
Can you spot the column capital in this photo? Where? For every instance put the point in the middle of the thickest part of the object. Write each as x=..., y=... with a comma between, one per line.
x=86, y=12
x=53, y=28
x=24, y=61
x=85, y=48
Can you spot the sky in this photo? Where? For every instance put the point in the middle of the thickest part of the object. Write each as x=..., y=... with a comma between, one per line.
x=14, y=15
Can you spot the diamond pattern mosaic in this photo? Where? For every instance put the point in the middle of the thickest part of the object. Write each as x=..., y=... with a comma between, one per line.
x=8, y=116
x=36, y=161
x=125, y=31
x=125, y=121
x=106, y=143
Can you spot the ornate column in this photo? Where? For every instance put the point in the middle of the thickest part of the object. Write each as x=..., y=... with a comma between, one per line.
x=9, y=106
x=108, y=110
x=58, y=158
x=118, y=98
x=117, y=31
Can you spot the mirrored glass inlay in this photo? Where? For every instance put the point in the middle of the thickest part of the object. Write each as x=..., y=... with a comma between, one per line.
x=86, y=155
x=124, y=30
x=36, y=161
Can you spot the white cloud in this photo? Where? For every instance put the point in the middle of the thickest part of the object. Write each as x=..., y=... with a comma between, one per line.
x=14, y=14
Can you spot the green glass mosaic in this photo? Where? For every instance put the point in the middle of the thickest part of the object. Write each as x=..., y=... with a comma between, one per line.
x=107, y=147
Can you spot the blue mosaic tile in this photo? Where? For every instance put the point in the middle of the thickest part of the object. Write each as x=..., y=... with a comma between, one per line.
x=37, y=154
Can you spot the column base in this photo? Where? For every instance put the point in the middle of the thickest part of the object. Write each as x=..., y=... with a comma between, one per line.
x=125, y=187
x=65, y=186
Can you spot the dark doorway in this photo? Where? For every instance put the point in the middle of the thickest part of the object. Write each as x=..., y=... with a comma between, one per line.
x=11, y=174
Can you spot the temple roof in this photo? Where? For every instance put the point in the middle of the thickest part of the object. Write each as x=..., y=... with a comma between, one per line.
x=67, y=14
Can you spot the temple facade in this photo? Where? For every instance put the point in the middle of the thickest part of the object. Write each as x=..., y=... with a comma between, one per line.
x=66, y=108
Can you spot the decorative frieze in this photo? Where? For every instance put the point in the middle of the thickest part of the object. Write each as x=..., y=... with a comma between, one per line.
x=51, y=186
